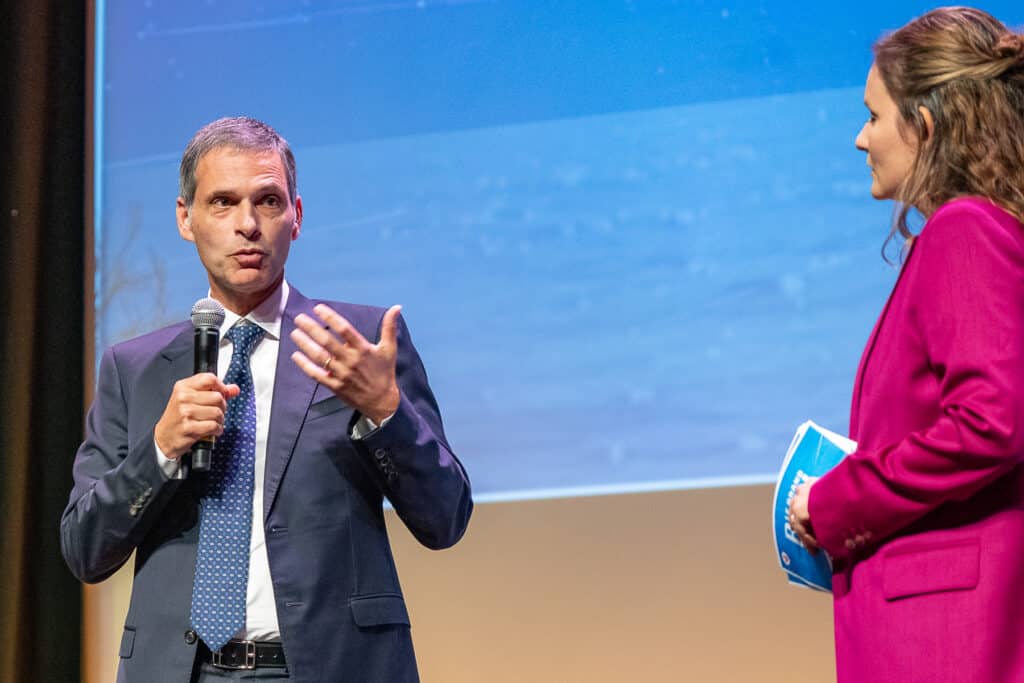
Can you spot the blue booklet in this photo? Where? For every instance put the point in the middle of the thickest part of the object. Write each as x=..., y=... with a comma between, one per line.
x=813, y=452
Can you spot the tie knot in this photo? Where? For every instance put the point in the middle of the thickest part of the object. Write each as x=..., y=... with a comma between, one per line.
x=243, y=337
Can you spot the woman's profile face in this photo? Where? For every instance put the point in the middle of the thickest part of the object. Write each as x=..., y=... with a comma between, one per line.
x=890, y=154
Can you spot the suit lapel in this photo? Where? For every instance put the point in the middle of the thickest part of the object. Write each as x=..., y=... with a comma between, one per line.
x=293, y=392
x=179, y=357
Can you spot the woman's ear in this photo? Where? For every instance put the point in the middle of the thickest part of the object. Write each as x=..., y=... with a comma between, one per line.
x=929, y=121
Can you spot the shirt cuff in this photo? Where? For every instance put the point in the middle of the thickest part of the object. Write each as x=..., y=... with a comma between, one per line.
x=364, y=426
x=172, y=469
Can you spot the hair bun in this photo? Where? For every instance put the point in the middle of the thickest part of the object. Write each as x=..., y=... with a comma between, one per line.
x=1010, y=46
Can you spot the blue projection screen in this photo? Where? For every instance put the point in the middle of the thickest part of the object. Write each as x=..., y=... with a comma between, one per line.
x=633, y=240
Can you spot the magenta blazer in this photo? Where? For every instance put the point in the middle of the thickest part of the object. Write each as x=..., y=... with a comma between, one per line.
x=925, y=521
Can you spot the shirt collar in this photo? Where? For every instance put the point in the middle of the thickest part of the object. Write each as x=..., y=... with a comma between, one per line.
x=267, y=314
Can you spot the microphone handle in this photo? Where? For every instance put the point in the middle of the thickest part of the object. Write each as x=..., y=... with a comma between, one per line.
x=207, y=347
x=202, y=453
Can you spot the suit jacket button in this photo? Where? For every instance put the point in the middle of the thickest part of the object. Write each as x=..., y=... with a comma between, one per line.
x=850, y=544
x=380, y=454
x=190, y=637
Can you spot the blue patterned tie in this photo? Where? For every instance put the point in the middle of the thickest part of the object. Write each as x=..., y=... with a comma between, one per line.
x=225, y=524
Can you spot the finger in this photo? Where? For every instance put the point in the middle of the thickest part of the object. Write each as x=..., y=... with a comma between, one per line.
x=808, y=541
x=313, y=370
x=805, y=534
x=201, y=414
x=202, y=380
x=389, y=328
x=207, y=398
x=316, y=331
x=314, y=352
x=332, y=346
x=797, y=525
x=340, y=325
x=207, y=381
x=204, y=429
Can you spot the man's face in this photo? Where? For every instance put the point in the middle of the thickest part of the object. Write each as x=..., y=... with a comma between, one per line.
x=242, y=223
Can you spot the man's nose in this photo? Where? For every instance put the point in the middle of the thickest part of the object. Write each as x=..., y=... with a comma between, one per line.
x=249, y=226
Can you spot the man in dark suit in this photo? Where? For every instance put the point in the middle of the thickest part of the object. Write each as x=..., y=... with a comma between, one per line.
x=276, y=563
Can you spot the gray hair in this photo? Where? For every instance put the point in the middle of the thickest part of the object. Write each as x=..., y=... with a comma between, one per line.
x=236, y=132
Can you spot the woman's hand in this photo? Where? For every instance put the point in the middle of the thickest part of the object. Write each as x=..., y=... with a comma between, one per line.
x=800, y=515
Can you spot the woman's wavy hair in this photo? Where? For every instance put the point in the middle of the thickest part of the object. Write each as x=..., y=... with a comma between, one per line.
x=967, y=69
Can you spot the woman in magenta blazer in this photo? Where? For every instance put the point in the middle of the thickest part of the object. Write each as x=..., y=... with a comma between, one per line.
x=925, y=521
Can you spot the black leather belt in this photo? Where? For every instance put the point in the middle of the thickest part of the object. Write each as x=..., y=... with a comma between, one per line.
x=247, y=654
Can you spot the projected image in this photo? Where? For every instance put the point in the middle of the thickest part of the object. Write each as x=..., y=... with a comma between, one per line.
x=633, y=241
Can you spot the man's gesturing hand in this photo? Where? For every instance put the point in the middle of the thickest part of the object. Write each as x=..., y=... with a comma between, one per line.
x=195, y=411
x=359, y=373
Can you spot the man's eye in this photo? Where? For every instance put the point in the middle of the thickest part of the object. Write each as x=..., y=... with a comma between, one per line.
x=220, y=201
x=272, y=200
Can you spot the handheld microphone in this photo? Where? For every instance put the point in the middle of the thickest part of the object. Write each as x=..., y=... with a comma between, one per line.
x=207, y=317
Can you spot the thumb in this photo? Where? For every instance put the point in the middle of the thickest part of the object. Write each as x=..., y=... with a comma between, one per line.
x=389, y=328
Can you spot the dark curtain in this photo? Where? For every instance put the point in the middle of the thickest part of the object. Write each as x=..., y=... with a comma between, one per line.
x=42, y=148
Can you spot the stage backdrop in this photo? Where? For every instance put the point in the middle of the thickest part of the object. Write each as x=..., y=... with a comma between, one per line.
x=633, y=240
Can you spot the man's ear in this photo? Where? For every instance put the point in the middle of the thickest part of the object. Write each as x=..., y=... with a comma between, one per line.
x=184, y=215
x=297, y=223
x=929, y=121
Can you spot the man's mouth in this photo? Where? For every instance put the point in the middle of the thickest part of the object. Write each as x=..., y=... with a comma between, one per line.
x=249, y=258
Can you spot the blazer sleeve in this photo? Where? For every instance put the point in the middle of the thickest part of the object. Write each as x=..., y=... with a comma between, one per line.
x=971, y=322
x=119, y=488
x=414, y=465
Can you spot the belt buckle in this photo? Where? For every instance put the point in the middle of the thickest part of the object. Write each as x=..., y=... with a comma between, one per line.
x=217, y=658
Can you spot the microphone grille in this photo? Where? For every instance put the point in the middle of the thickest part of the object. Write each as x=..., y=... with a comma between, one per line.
x=207, y=312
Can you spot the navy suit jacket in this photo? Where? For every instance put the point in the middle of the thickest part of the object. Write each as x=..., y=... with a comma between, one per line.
x=339, y=604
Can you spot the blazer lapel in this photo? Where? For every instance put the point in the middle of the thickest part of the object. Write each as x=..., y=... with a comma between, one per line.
x=178, y=354
x=858, y=383
x=293, y=392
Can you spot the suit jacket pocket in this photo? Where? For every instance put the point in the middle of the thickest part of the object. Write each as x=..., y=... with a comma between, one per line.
x=328, y=406
x=932, y=568
x=127, y=642
x=379, y=610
